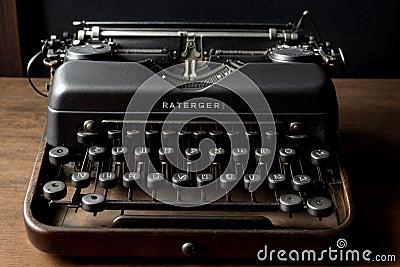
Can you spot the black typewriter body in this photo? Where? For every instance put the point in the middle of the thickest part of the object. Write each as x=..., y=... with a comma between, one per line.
x=106, y=181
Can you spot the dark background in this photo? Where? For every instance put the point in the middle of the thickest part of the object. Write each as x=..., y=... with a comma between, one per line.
x=368, y=31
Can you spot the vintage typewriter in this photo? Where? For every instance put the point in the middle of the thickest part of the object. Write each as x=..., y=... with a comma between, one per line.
x=202, y=140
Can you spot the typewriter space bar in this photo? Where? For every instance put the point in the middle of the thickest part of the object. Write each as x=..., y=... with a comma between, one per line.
x=196, y=222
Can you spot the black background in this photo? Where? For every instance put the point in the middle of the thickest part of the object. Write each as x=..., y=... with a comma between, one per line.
x=368, y=31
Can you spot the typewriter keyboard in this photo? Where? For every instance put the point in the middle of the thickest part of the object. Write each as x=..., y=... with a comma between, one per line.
x=109, y=184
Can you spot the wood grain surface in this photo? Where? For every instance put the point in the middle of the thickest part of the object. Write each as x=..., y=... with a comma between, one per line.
x=370, y=133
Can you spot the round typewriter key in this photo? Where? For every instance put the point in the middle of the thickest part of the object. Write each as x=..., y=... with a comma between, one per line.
x=319, y=206
x=250, y=179
x=301, y=182
x=54, y=190
x=199, y=135
x=118, y=153
x=319, y=156
x=204, y=179
x=287, y=154
x=240, y=154
x=142, y=153
x=216, y=154
x=107, y=180
x=129, y=179
x=165, y=152
x=180, y=179
x=86, y=138
x=192, y=153
x=97, y=153
x=114, y=134
x=290, y=203
x=131, y=134
x=93, y=202
x=217, y=136
x=80, y=179
x=155, y=180
x=262, y=154
x=228, y=180
x=58, y=155
x=276, y=180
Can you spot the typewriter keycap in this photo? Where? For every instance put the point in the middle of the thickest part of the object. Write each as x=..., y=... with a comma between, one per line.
x=199, y=135
x=107, y=180
x=54, y=190
x=204, y=179
x=93, y=202
x=155, y=180
x=86, y=138
x=216, y=154
x=97, y=153
x=165, y=152
x=240, y=154
x=80, y=179
x=290, y=203
x=180, y=179
x=129, y=179
x=301, y=182
x=228, y=180
x=262, y=154
x=141, y=153
x=118, y=153
x=249, y=179
x=192, y=153
x=114, y=134
x=58, y=155
x=287, y=155
x=217, y=136
x=319, y=207
x=276, y=181
x=319, y=157
x=168, y=137
x=133, y=135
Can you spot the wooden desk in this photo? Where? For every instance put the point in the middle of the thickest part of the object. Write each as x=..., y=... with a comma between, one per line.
x=370, y=131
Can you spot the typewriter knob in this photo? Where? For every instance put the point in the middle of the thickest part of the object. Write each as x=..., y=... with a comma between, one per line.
x=290, y=203
x=141, y=153
x=54, y=190
x=276, y=180
x=319, y=207
x=107, y=180
x=58, y=155
x=293, y=54
x=129, y=179
x=88, y=52
x=319, y=157
x=301, y=182
x=93, y=202
x=80, y=179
